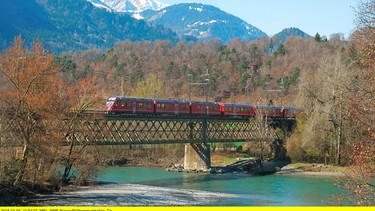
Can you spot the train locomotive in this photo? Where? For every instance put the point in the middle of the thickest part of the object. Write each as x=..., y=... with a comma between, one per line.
x=143, y=106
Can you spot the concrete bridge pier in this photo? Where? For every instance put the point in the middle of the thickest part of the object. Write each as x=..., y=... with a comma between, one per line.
x=197, y=157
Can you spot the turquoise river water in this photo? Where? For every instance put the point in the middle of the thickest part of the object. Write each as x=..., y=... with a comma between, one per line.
x=269, y=190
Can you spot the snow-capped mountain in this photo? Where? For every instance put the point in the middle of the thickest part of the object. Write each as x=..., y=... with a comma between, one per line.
x=193, y=20
x=129, y=6
x=203, y=22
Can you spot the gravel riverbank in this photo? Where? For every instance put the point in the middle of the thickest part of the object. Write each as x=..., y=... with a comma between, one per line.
x=311, y=170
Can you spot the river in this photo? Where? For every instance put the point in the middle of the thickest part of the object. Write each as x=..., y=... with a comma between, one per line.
x=143, y=186
x=246, y=189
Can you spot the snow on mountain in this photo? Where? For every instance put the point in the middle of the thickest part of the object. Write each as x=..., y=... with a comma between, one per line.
x=203, y=22
x=134, y=7
x=99, y=4
x=148, y=4
x=191, y=20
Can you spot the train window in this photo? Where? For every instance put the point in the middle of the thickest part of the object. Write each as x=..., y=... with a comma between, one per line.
x=229, y=109
x=185, y=107
x=109, y=103
x=246, y=109
x=140, y=105
x=214, y=108
x=162, y=106
x=148, y=105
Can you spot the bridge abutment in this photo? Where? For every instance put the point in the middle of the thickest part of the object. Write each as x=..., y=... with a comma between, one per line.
x=197, y=157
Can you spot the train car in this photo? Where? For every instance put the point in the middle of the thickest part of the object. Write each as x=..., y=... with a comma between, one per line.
x=116, y=105
x=271, y=111
x=278, y=111
x=289, y=112
x=199, y=108
x=240, y=110
x=176, y=107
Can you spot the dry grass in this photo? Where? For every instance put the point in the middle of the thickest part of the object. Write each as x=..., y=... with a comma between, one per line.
x=223, y=158
x=319, y=167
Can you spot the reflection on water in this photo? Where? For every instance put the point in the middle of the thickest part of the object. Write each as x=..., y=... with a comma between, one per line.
x=252, y=190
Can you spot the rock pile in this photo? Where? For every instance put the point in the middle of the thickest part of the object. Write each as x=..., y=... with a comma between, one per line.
x=247, y=166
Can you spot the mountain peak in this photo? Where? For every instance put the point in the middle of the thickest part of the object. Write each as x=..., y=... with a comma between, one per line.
x=203, y=22
x=128, y=6
x=290, y=32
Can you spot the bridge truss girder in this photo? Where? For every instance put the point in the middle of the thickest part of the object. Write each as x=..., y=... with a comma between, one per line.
x=170, y=130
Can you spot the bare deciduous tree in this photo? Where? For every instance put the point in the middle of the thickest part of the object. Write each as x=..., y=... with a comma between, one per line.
x=322, y=94
x=30, y=97
x=360, y=109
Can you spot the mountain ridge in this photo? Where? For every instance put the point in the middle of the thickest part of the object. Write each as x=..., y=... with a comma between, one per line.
x=204, y=22
x=58, y=25
x=133, y=7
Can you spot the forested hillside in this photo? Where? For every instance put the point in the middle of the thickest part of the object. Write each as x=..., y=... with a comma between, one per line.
x=70, y=25
x=239, y=71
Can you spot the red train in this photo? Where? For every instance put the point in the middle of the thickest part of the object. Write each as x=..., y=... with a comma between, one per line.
x=116, y=105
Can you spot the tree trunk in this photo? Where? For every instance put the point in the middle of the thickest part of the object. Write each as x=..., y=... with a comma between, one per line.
x=69, y=163
x=21, y=171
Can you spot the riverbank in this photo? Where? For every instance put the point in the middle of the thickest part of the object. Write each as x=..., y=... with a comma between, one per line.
x=313, y=169
x=224, y=159
x=16, y=195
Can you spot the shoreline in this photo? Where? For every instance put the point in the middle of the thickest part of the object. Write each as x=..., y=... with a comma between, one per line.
x=288, y=170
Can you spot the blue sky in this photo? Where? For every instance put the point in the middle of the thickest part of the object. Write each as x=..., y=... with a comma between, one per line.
x=271, y=16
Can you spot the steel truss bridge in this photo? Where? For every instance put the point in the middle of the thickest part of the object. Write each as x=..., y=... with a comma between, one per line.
x=194, y=131
x=141, y=129
x=101, y=129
